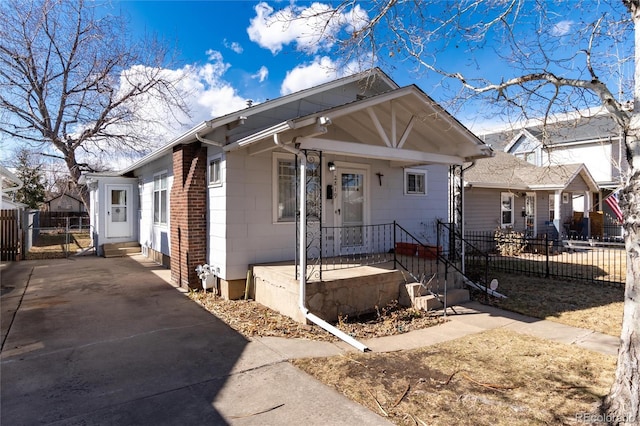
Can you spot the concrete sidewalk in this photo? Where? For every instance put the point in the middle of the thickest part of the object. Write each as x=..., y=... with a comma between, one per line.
x=94, y=341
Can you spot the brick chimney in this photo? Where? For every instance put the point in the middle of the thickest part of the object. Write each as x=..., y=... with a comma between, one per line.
x=188, y=214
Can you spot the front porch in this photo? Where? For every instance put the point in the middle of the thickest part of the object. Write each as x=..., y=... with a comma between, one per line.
x=350, y=287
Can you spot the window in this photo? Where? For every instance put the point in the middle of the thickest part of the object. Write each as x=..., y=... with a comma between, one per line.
x=215, y=176
x=160, y=198
x=415, y=182
x=285, y=184
x=506, y=209
x=552, y=208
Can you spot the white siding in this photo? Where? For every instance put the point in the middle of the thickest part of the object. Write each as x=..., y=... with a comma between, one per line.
x=155, y=236
x=249, y=235
x=596, y=157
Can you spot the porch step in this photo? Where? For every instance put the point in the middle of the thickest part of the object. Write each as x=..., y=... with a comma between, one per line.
x=416, y=296
x=120, y=249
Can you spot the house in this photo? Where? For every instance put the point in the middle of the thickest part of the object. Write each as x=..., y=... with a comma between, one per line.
x=64, y=203
x=589, y=137
x=224, y=193
x=10, y=183
x=10, y=216
x=507, y=192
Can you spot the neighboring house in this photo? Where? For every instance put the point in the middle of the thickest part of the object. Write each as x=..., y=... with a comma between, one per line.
x=589, y=137
x=10, y=216
x=63, y=203
x=9, y=204
x=10, y=183
x=224, y=193
x=510, y=193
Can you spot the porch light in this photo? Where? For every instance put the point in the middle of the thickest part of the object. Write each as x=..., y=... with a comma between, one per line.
x=332, y=166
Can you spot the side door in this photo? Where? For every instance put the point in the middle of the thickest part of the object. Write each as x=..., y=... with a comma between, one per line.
x=119, y=211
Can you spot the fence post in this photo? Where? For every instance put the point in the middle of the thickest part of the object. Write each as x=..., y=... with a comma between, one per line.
x=395, y=247
x=67, y=239
x=546, y=252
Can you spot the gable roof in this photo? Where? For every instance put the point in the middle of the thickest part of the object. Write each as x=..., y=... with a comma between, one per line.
x=510, y=172
x=374, y=80
x=403, y=125
x=587, y=125
x=64, y=194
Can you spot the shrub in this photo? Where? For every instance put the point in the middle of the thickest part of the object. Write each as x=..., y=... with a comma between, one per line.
x=509, y=242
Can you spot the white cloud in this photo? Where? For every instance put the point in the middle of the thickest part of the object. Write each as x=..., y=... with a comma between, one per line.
x=262, y=74
x=321, y=70
x=561, y=28
x=204, y=89
x=235, y=46
x=311, y=28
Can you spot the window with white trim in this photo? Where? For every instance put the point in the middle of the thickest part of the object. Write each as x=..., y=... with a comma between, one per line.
x=415, y=182
x=552, y=208
x=285, y=189
x=506, y=209
x=215, y=172
x=160, y=198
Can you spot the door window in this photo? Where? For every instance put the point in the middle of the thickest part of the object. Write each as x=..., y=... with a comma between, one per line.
x=118, y=205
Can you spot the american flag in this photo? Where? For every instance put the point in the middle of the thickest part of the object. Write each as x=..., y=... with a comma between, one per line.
x=612, y=201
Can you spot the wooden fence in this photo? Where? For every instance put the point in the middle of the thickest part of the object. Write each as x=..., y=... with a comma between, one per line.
x=10, y=235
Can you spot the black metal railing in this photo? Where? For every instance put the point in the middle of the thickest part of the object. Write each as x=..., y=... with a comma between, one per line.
x=420, y=260
x=597, y=260
x=352, y=246
x=470, y=259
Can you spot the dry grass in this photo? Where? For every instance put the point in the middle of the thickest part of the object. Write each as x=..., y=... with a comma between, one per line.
x=573, y=303
x=253, y=319
x=55, y=245
x=497, y=377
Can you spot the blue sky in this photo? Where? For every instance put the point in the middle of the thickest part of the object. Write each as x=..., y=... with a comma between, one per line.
x=239, y=50
x=245, y=57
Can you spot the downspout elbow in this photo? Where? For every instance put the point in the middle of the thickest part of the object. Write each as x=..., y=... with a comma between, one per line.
x=208, y=141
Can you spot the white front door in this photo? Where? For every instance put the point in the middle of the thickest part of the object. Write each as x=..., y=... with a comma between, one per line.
x=119, y=214
x=351, y=210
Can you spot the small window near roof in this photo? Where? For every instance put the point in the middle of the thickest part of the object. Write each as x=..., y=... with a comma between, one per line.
x=215, y=177
x=415, y=182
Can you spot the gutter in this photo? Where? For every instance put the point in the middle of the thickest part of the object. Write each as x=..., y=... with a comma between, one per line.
x=302, y=255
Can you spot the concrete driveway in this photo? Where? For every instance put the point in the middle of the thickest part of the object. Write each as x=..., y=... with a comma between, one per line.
x=108, y=341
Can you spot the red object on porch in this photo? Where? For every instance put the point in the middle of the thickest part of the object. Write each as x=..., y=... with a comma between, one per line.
x=412, y=249
x=406, y=249
x=429, y=252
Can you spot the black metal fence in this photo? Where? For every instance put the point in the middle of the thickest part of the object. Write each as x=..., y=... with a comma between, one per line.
x=594, y=260
x=600, y=261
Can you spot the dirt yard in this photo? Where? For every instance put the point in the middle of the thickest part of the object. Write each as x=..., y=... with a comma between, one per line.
x=253, y=319
x=56, y=245
x=574, y=303
x=493, y=378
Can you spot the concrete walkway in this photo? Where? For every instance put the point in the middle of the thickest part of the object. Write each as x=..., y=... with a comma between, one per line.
x=95, y=341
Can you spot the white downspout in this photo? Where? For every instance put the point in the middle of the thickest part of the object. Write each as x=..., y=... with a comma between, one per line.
x=302, y=255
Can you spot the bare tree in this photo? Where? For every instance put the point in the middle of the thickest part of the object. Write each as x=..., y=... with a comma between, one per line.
x=555, y=57
x=74, y=86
